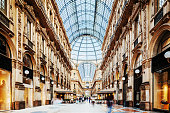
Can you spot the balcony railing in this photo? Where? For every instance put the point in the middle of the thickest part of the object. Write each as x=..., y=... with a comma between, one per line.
x=4, y=19
x=158, y=16
x=30, y=44
x=124, y=5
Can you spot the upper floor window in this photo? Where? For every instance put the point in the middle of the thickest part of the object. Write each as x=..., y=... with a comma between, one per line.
x=138, y=62
x=51, y=16
x=3, y=6
x=137, y=27
x=43, y=45
x=160, y=3
x=52, y=54
x=28, y=29
x=4, y=48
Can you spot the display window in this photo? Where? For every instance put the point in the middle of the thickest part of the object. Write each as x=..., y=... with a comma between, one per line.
x=162, y=90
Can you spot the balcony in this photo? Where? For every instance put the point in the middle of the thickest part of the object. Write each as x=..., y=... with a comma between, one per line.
x=4, y=19
x=28, y=45
x=43, y=58
x=5, y=24
x=137, y=43
x=158, y=16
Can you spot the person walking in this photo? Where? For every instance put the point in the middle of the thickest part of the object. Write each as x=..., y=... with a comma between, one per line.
x=109, y=105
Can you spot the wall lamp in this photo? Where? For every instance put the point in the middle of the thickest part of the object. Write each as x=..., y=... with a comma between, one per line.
x=137, y=71
x=167, y=56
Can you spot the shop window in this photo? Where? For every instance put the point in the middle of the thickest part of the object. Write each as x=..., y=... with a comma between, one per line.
x=162, y=75
x=162, y=90
x=28, y=29
x=3, y=6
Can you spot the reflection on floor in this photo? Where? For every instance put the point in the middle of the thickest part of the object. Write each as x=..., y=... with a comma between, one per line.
x=84, y=107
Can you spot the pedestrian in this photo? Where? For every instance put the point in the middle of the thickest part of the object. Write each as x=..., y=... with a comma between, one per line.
x=109, y=105
x=89, y=99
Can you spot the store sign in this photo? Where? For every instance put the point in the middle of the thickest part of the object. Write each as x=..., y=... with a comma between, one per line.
x=159, y=62
x=5, y=63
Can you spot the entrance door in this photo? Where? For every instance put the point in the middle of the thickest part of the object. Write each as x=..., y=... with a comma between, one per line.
x=137, y=93
x=125, y=86
x=51, y=89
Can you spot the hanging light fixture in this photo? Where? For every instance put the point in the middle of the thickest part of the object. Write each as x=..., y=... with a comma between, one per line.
x=26, y=72
x=137, y=71
x=167, y=56
x=42, y=78
x=123, y=78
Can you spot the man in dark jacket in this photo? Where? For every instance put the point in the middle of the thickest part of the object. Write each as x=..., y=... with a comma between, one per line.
x=109, y=105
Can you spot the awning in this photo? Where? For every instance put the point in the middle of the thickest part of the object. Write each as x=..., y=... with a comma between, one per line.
x=104, y=92
x=67, y=92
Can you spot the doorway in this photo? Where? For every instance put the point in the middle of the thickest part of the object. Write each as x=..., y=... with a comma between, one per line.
x=137, y=84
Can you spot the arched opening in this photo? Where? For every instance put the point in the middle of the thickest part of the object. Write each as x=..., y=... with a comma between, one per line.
x=125, y=86
x=42, y=85
x=161, y=71
x=27, y=69
x=5, y=74
x=137, y=80
x=27, y=79
x=51, y=85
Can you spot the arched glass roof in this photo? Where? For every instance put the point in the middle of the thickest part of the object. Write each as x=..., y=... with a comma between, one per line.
x=86, y=48
x=85, y=22
x=85, y=17
x=87, y=71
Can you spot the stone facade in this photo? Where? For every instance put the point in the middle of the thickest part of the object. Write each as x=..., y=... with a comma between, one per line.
x=39, y=53
x=132, y=37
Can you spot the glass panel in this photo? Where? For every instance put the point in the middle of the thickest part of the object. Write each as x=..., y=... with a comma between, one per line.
x=162, y=90
x=85, y=22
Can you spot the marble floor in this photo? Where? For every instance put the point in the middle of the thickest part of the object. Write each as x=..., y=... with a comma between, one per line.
x=84, y=107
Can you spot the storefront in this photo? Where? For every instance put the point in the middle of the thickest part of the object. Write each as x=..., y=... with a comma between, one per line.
x=161, y=72
x=42, y=86
x=28, y=80
x=5, y=74
x=125, y=86
x=137, y=81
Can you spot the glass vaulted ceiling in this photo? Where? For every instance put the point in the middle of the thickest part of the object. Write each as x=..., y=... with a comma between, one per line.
x=85, y=22
x=87, y=18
